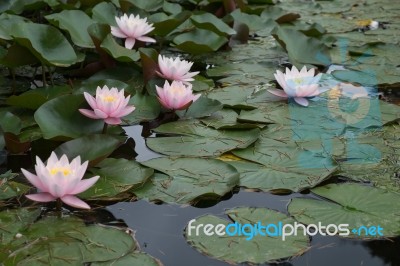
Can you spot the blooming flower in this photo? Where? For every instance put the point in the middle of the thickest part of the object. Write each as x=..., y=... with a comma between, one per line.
x=60, y=179
x=297, y=84
x=175, y=69
x=109, y=105
x=132, y=28
x=176, y=96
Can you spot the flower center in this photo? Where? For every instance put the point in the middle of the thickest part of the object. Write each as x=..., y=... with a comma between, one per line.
x=65, y=171
x=109, y=98
x=177, y=90
x=298, y=81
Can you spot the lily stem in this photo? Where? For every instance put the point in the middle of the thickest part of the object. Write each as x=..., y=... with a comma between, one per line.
x=105, y=128
x=58, y=207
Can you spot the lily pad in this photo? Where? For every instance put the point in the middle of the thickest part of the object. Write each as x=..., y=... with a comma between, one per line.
x=147, y=108
x=60, y=117
x=116, y=176
x=9, y=188
x=353, y=204
x=45, y=42
x=76, y=22
x=91, y=148
x=241, y=249
x=195, y=139
x=133, y=258
x=199, y=41
x=187, y=180
x=68, y=240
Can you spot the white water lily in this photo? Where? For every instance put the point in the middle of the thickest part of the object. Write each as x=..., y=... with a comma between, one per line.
x=132, y=28
x=298, y=85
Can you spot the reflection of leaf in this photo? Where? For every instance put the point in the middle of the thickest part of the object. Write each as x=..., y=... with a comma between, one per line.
x=236, y=249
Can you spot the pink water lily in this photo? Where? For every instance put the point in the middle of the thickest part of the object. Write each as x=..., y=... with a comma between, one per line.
x=132, y=28
x=59, y=179
x=175, y=69
x=109, y=104
x=298, y=85
x=176, y=96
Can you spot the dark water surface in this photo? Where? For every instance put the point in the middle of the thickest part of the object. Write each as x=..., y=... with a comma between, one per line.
x=159, y=229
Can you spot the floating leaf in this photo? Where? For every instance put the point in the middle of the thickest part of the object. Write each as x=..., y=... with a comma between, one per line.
x=198, y=140
x=210, y=22
x=60, y=117
x=352, y=204
x=9, y=188
x=105, y=13
x=236, y=249
x=187, y=180
x=116, y=176
x=147, y=108
x=199, y=41
x=201, y=108
x=45, y=42
x=89, y=148
x=76, y=22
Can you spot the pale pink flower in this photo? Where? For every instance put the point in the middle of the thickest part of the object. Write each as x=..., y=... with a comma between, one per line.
x=109, y=105
x=175, y=69
x=176, y=96
x=297, y=84
x=132, y=28
x=60, y=179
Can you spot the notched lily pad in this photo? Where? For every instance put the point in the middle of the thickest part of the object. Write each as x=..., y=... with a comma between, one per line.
x=353, y=204
x=257, y=249
x=186, y=180
x=194, y=139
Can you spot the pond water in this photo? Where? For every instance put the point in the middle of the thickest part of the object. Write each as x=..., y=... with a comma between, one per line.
x=159, y=228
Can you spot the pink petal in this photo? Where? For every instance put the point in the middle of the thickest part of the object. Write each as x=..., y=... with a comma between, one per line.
x=301, y=101
x=100, y=114
x=89, y=113
x=279, y=93
x=113, y=120
x=34, y=180
x=91, y=100
x=75, y=202
x=129, y=43
x=41, y=197
x=83, y=185
x=146, y=39
x=127, y=110
x=117, y=32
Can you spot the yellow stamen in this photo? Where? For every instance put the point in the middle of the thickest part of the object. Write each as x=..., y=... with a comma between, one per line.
x=63, y=170
x=108, y=98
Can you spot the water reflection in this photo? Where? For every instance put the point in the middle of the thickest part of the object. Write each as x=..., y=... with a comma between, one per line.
x=159, y=231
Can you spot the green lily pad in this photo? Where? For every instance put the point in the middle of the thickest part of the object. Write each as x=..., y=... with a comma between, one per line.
x=237, y=249
x=133, y=258
x=117, y=51
x=201, y=108
x=226, y=119
x=147, y=108
x=76, y=22
x=187, y=180
x=352, y=204
x=199, y=41
x=116, y=176
x=105, y=13
x=67, y=240
x=13, y=221
x=60, y=117
x=9, y=188
x=301, y=48
x=210, y=22
x=45, y=42
x=33, y=99
x=90, y=148
x=10, y=122
x=198, y=140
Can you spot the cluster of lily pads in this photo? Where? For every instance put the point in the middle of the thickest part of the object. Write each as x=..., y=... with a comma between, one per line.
x=219, y=127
